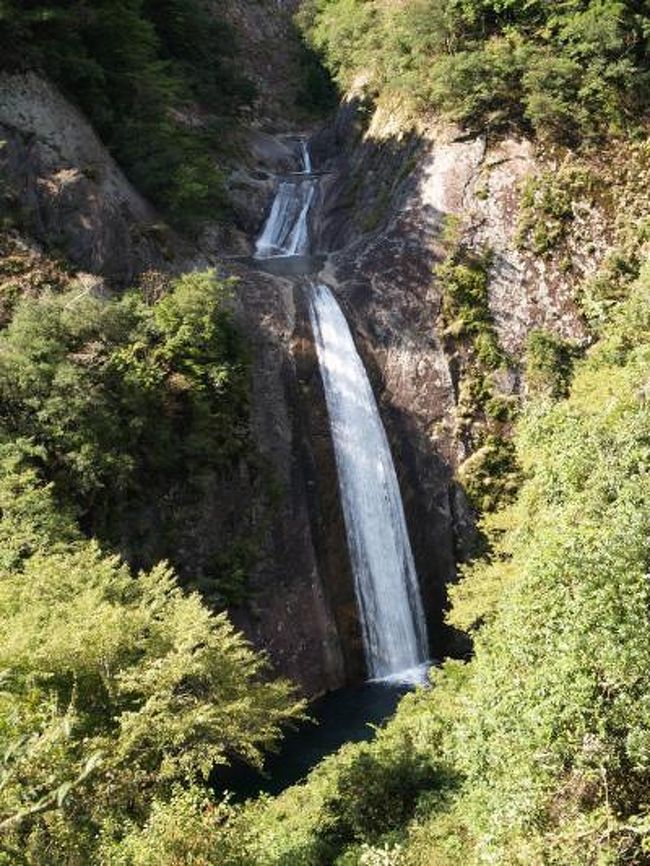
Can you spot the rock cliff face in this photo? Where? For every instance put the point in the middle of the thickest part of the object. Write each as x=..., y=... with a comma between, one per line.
x=270, y=56
x=388, y=207
x=60, y=180
x=302, y=607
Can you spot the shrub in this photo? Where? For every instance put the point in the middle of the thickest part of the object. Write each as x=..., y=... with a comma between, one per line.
x=465, y=310
x=116, y=691
x=129, y=402
x=568, y=72
x=491, y=475
x=549, y=364
x=547, y=207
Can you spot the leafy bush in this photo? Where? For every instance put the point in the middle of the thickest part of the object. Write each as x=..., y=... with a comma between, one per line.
x=605, y=290
x=115, y=691
x=377, y=789
x=317, y=93
x=465, y=311
x=490, y=476
x=128, y=401
x=547, y=207
x=549, y=363
x=189, y=828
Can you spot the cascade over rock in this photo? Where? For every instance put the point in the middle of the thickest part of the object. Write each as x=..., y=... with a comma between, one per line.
x=286, y=232
x=390, y=610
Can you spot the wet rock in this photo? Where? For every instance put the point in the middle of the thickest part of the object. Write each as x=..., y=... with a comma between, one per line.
x=302, y=609
x=431, y=181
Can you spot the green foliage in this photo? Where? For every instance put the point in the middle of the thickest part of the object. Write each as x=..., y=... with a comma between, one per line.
x=115, y=690
x=363, y=795
x=549, y=363
x=339, y=33
x=566, y=70
x=202, y=48
x=317, y=93
x=547, y=207
x=377, y=789
x=465, y=311
x=622, y=265
x=130, y=66
x=126, y=400
x=490, y=476
x=189, y=828
x=556, y=707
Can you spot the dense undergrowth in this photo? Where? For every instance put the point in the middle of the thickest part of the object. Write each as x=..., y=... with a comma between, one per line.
x=137, y=408
x=135, y=67
x=119, y=693
x=567, y=70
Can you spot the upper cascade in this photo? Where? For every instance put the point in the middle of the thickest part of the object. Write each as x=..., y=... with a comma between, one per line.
x=306, y=156
x=286, y=231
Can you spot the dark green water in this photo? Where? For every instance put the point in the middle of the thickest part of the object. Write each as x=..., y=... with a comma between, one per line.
x=347, y=715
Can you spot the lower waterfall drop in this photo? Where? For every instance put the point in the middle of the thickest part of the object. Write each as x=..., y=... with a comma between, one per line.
x=386, y=584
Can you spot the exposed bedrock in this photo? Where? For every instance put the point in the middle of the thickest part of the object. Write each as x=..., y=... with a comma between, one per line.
x=302, y=607
x=60, y=181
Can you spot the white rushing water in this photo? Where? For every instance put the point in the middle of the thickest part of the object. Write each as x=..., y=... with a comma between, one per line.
x=298, y=243
x=386, y=584
x=306, y=156
x=286, y=231
x=390, y=609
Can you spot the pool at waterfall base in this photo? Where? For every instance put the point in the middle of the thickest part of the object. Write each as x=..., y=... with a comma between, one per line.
x=346, y=715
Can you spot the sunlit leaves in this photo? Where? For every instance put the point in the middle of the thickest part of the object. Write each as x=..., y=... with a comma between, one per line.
x=115, y=687
x=566, y=70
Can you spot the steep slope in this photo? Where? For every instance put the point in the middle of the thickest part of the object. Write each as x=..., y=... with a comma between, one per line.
x=61, y=184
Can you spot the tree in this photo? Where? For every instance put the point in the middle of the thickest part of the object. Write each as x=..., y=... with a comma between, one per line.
x=115, y=688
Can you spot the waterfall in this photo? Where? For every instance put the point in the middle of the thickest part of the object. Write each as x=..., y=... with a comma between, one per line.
x=386, y=584
x=306, y=156
x=298, y=243
x=286, y=231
